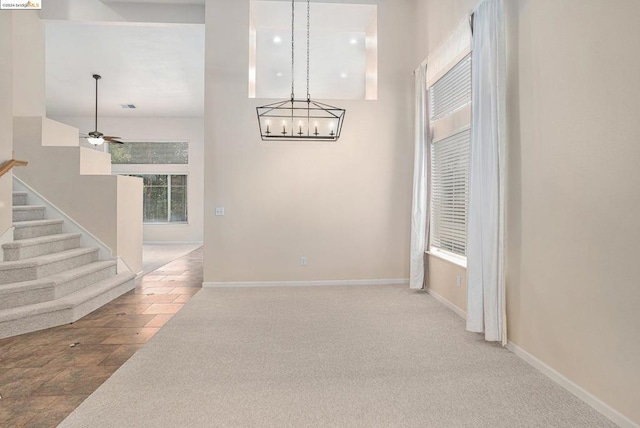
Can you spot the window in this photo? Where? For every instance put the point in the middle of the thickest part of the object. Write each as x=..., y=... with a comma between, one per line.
x=164, y=198
x=145, y=153
x=449, y=113
x=163, y=167
x=449, y=193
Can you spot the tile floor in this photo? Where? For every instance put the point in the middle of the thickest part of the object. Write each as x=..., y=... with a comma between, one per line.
x=45, y=375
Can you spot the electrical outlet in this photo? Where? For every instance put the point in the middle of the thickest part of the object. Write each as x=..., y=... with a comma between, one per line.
x=219, y=210
x=303, y=261
x=458, y=281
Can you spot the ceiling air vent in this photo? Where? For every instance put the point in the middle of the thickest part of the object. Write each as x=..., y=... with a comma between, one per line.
x=127, y=105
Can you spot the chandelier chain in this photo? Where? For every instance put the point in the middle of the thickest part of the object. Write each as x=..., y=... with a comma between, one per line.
x=293, y=15
x=308, y=25
x=300, y=120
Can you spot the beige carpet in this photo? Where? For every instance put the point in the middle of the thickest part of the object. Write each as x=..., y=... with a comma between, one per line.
x=325, y=357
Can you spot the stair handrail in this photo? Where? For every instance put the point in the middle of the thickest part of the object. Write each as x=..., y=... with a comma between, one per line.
x=6, y=167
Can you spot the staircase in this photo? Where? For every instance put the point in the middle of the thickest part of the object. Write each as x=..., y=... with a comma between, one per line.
x=47, y=279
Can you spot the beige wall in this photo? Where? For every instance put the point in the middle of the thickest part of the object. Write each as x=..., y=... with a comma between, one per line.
x=6, y=118
x=95, y=202
x=344, y=205
x=573, y=201
x=28, y=64
x=162, y=129
x=574, y=204
x=435, y=20
x=442, y=280
x=129, y=221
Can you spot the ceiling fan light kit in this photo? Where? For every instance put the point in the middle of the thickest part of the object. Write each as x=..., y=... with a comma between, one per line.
x=96, y=141
x=300, y=119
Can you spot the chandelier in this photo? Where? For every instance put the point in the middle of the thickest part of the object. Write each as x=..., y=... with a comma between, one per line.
x=300, y=119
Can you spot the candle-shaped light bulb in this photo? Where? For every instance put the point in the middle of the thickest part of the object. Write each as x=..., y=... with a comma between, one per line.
x=316, y=126
x=332, y=133
x=268, y=123
x=284, y=127
x=300, y=128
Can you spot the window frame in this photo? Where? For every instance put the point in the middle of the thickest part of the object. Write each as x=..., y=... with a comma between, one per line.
x=456, y=121
x=169, y=175
x=138, y=170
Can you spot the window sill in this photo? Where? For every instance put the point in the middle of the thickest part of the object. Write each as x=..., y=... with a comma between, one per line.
x=166, y=223
x=451, y=258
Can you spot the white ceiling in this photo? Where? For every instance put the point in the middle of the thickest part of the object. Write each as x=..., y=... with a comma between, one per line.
x=337, y=67
x=337, y=49
x=158, y=68
x=324, y=16
x=157, y=1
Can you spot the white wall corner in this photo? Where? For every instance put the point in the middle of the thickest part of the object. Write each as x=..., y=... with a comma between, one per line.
x=590, y=399
x=122, y=266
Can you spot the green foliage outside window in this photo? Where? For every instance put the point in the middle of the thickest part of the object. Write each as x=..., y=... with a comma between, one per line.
x=175, y=153
x=164, y=198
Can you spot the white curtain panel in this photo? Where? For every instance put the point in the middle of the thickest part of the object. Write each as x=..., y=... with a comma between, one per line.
x=419, y=214
x=486, y=219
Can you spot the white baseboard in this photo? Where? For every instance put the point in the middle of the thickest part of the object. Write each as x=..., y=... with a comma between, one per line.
x=609, y=412
x=307, y=283
x=612, y=414
x=447, y=303
x=172, y=242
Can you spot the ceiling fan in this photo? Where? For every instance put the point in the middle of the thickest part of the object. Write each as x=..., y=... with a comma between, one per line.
x=95, y=137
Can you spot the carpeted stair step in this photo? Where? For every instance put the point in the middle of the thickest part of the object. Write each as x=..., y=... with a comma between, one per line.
x=47, y=265
x=56, y=286
x=19, y=198
x=36, y=228
x=34, y=247
x=66, y=309
x=28, y=212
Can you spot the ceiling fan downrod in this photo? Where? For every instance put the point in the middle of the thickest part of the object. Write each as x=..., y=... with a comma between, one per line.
x=95, y=129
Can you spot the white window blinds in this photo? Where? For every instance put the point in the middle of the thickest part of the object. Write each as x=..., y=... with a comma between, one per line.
x=449, y=192
x=449, y=102
x=452, y=91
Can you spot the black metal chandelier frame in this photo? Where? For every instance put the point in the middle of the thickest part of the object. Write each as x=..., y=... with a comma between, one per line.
x=300, y=119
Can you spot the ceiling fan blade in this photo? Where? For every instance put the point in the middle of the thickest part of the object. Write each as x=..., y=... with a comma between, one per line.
x=111, y=141
x=110, y=137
